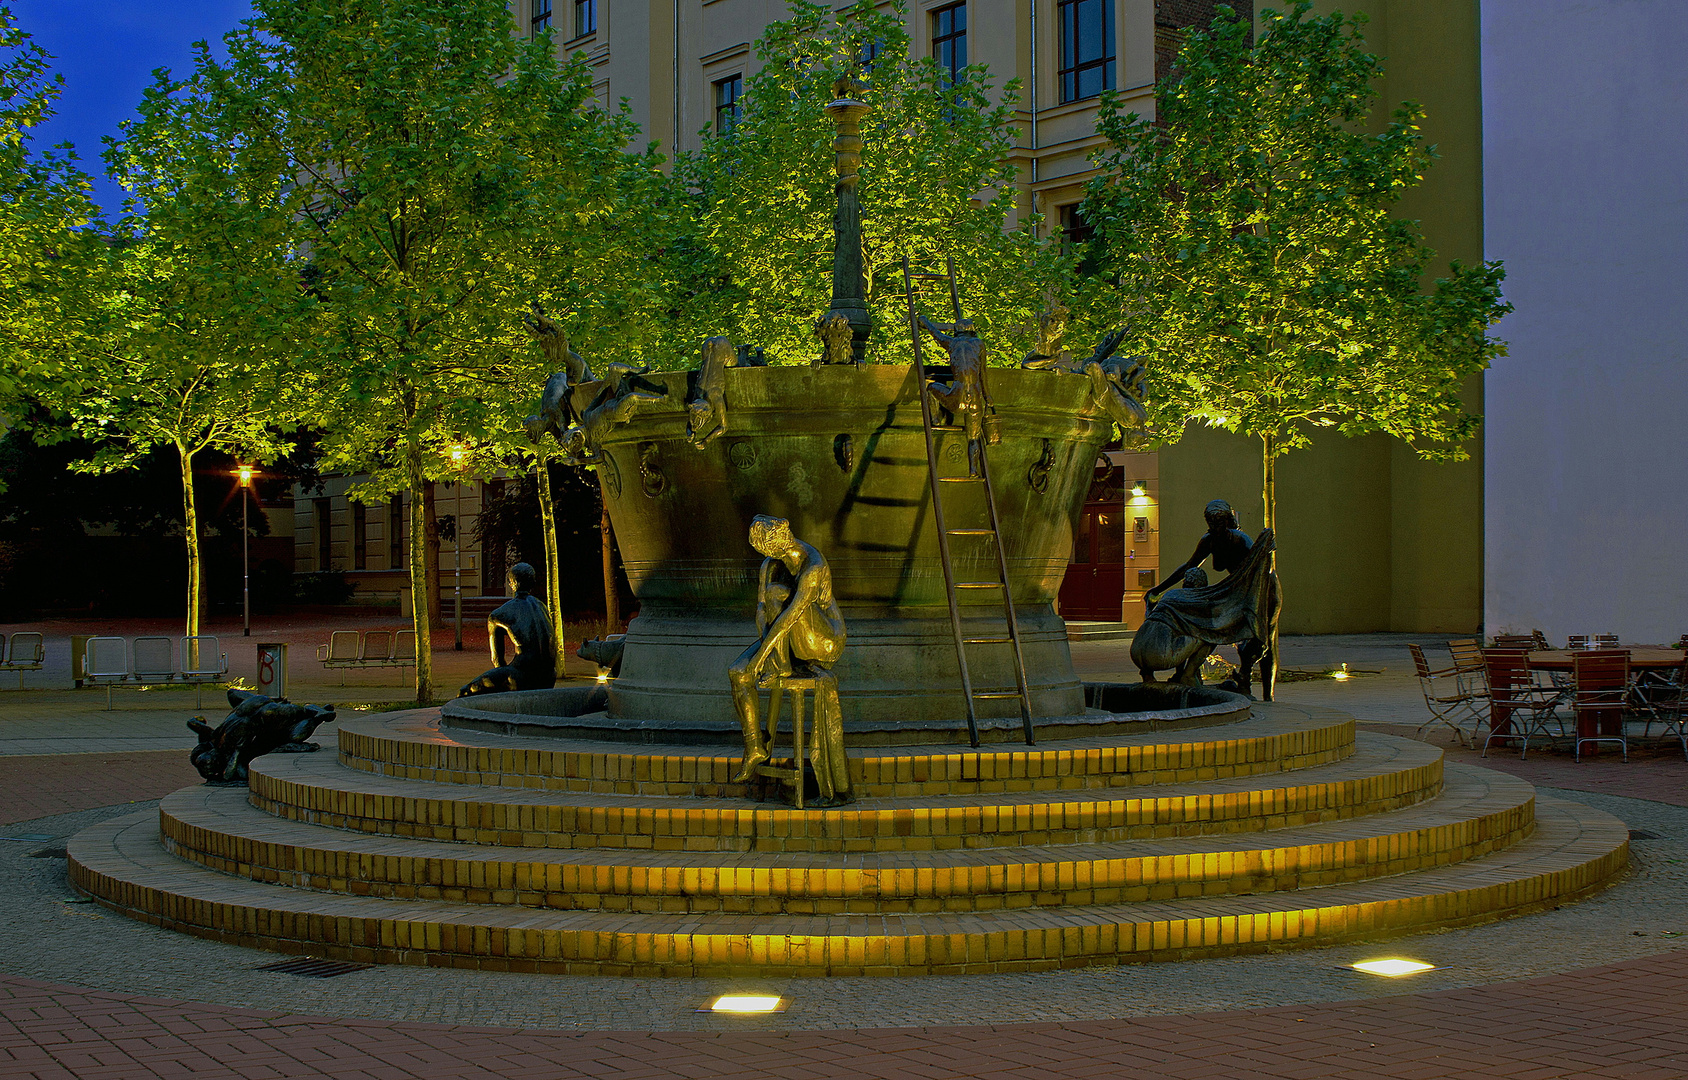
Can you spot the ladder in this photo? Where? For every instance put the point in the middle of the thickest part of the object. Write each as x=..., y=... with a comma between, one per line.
x=991, y=535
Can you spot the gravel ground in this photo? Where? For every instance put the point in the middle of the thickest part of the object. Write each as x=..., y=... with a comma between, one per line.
x=45, y=933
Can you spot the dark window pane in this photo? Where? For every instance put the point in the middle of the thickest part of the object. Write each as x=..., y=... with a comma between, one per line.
x=949, y=39
x=1110, y=537
x=585, y=17
x=541, y=15
x=1087, y=48
x=728, y=91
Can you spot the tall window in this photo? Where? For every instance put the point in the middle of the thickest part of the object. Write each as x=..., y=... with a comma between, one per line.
x=1087, y=48
x=395, y=534
x=541, y=15
x=360, y=537
x=949, y=39
x=585, y=17
x=324, y=535
x=728, y=93
x=1075, y=230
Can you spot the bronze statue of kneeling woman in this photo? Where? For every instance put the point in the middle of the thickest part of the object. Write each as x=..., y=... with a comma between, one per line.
x=525, y=623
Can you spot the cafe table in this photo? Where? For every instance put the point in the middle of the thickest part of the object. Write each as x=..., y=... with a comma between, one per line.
x=1639, y=660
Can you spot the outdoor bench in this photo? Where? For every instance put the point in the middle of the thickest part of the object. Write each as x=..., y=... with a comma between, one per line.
x=28, y=650
x=151, y=661
x=368, y=649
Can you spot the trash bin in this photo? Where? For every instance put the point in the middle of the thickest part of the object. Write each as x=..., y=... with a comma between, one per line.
x=272, y=669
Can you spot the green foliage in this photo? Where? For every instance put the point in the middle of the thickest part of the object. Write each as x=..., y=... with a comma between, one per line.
x=936, y=180
x=43, y=204
x=1246, y=235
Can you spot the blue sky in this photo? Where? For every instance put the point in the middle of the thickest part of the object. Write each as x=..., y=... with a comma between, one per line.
x=106, y=52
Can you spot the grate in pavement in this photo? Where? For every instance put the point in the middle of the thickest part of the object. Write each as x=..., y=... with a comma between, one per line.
x=309, y=967
x=1642, y=834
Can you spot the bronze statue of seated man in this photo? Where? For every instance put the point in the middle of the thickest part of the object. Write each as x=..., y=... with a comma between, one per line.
x=526, y=625
x=800, y=632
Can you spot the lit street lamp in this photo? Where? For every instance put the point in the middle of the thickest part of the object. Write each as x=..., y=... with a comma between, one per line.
x=245, y=473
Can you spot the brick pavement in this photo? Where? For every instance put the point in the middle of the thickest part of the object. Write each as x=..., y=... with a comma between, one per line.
x=1622, y=1020
x=41, y=785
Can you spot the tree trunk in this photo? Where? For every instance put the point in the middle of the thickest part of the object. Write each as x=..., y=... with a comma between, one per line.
x=553, y=572
x=612, y=597
x=1269, y=520
x=431, y=554
x=190, y=529
x=420, y=608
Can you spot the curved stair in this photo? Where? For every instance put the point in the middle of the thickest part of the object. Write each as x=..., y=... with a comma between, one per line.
x=417, y=845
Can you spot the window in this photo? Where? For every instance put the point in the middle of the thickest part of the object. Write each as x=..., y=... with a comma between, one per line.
x=395, y=534
x=324, y=535
x=867, y=57
x=1075, y=230
x=360, y=537
x=585, y=17
x=949, y=39
x=1087, y=48
x=541, y=16
x=728, y=92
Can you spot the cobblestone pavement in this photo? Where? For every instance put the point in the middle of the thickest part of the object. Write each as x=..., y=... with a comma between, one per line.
x=1590, y=989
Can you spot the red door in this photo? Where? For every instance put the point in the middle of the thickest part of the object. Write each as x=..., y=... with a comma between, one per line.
x=1094, y=587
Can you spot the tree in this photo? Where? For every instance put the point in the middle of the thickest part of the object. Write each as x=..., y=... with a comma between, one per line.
x=1246, y=235
x=936, y=181
x=44, y=206
x=439, y=173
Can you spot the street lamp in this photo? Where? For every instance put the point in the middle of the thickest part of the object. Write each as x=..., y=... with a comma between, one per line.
x=245, y=473
x=457, y=534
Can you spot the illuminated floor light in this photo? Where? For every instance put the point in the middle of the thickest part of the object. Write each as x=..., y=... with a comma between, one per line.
x=603, y=676
x=1394, y=967
x=746, y=1003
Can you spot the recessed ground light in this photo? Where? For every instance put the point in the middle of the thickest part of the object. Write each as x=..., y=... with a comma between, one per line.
x=746, y=1003
x=1340, y=673
x=1393, y=967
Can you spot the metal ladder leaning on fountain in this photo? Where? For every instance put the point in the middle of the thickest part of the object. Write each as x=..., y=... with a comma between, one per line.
x=991, y=535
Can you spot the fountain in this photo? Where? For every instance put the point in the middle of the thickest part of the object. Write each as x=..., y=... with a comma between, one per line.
x=588, y=830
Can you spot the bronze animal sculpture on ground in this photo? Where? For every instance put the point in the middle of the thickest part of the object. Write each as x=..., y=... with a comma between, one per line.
x=605, y=652
x=526, y=625
x=257, y=725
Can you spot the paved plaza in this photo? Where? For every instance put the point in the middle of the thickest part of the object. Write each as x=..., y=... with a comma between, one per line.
x=1598, y=988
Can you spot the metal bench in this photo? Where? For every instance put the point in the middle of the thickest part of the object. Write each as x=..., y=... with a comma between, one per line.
x=151, y=661
x=368, y=649
x=28, y=650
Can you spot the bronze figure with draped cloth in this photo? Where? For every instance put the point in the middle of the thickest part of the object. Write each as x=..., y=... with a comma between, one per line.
x=1186, y=624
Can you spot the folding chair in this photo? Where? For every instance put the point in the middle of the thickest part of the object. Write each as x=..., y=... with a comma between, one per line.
x=1513, y=693
x=1451, y=696
x=1673, y=708
x=1602, y=688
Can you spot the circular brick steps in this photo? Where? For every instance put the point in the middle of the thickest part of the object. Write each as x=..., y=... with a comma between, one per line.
x=1478, y=812
x=417, y=845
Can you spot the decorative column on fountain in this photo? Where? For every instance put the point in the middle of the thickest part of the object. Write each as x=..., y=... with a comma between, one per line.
x=848, y=289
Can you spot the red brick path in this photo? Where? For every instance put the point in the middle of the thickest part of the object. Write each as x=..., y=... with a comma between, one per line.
x=1626, y=1020
x=39, y=785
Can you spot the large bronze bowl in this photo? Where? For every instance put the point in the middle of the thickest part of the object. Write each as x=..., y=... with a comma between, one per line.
x=839, y=452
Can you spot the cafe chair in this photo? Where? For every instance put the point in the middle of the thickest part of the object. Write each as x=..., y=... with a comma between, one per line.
x=1592, y=641
x=1672, y=708
x=1453, y=696
x=1514, y=695
x=1601, y=679
x=1527, y=642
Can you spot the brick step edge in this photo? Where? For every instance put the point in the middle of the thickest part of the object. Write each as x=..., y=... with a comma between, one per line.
x=1478, y=813
x=1574, y=851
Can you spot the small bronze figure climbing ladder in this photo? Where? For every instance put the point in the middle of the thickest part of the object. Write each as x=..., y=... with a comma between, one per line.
x=992, y=535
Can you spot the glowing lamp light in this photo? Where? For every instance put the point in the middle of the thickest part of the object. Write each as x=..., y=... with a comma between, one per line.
x=1393, y=967
x=1341, y=673
x=603, y=676
x=745, y=1003
x=1138, y=491
x=245, y=474
x=457, y=455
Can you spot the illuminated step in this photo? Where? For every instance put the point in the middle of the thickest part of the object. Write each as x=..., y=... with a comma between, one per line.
x=414, y=747
x=1479, y=811
x=1573, y=851
x=1384, y=773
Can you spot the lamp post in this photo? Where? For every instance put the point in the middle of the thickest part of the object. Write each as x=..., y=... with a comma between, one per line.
x=245, y=474
x=457, y=535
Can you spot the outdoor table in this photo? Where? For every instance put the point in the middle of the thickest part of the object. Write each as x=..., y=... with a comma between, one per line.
x=1561, y=660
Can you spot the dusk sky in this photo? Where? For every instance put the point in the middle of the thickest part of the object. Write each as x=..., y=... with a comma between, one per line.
x=106, y=53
